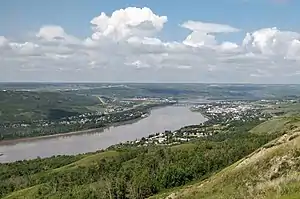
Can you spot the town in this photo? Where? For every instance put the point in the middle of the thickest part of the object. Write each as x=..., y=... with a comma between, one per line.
x=220, y=117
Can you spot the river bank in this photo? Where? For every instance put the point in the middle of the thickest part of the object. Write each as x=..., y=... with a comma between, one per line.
x=133, y=118
x=85, y=131
x=165, y=118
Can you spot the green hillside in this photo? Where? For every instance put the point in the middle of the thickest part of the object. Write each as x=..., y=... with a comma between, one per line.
x=237, y=163
x=18, y=106
x=271, y=172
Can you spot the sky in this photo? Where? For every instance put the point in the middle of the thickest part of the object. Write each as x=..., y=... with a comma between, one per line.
x=219, y=41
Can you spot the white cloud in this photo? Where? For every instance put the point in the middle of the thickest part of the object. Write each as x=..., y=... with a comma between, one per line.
x=229, y=46
x=184, y=67
x=293, y=51
x=138, y=64
x=271, y=41
x=55, y=33
x=208, y=27
x=51, y=33
x=198, y=39
x=125, y=23
x=125, y=47
x=145, y=40
x=27, y=48
x=3, y=41
x=203, y=33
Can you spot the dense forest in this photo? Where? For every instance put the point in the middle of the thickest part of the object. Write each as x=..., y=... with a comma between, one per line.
x=129, y=172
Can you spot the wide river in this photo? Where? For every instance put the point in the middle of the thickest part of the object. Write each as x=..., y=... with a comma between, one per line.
x=166, y=118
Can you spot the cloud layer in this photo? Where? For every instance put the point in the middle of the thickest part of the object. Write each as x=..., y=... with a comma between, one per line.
x=125, y=46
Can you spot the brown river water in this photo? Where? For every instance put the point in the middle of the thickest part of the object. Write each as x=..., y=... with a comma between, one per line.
x=161, y=119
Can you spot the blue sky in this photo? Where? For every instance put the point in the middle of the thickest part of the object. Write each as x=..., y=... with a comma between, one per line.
x=245, y=41
x=17, y=17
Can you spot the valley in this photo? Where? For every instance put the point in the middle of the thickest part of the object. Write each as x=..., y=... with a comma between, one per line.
x=183, y=148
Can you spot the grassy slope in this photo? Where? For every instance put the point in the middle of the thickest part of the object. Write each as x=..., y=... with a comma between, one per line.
x=32, y=192
x=271, y=172
x=86, y=161
x=271, y=126
x=249, y=176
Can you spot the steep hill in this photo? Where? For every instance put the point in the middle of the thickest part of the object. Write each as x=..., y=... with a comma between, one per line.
x=271, y=172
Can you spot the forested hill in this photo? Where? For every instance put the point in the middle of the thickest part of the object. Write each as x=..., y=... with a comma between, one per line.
x=141, y=172
x=272, y=171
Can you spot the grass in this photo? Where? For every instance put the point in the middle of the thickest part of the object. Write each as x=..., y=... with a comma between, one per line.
x=187, y=146
x=292, y=196
x=287, y=109
x=271, y=126
x=85, y=161
x=27, y=193
x=263, y=174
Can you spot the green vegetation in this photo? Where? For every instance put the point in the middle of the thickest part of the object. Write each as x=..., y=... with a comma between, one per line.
x=270, y=172
x=274, y=125
x=239, y=157
x=38, y=113
x=130, y=172
x=28, y=106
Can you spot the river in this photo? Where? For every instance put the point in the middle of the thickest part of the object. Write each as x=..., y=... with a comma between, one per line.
x=161, y=119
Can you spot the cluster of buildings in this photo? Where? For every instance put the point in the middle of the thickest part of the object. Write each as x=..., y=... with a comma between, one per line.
x=219, y=115
x=86, y=118
x=224, y=112
x=170, y=138
x=179, y=136
x=225, y=107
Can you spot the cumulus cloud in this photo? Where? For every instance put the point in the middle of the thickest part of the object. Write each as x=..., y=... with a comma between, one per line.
x=271, y=41
x=27, y=48
x=55, y=33
x=229, y=46
x=51, y=33
x=125, y=23
x=124, y=46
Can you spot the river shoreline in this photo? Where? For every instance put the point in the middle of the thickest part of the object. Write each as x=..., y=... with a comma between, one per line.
x=86, y=131
x=79, y=142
